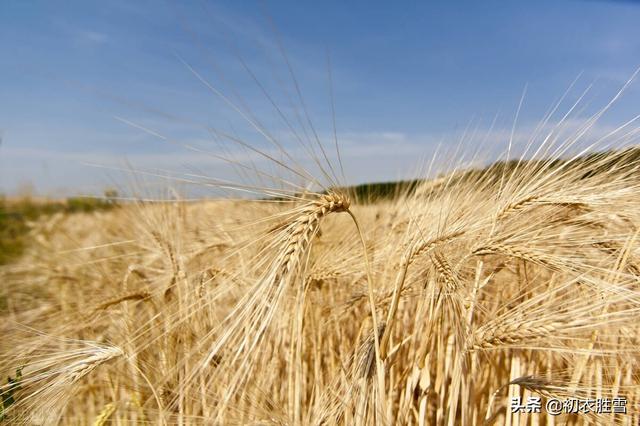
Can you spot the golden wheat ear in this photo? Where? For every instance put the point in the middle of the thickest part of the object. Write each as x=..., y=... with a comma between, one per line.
x=48, y=378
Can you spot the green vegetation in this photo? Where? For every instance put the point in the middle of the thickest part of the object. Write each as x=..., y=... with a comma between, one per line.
x=372, y=192
x=626, y=161
x=15, y=216
x=7, y=395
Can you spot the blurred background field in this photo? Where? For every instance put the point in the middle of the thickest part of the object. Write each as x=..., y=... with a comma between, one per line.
x=17, y=213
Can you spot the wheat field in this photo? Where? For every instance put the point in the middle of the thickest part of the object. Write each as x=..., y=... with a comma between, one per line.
x=307, y=303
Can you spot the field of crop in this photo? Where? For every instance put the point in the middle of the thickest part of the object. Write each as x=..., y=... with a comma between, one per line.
x=436, y=302
x=319, y=213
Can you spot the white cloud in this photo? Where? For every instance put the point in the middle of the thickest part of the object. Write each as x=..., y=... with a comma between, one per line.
x=367, y=156
x=94, y=37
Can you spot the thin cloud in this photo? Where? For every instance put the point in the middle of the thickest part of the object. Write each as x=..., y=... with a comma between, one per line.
x=94, y=37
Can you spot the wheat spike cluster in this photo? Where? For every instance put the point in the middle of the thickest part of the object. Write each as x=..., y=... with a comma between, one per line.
x=307, y=303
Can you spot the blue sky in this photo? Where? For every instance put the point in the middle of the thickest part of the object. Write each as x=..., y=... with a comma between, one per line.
x=406, y=78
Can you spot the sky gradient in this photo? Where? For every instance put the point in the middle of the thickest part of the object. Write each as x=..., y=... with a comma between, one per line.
x=75, y=75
